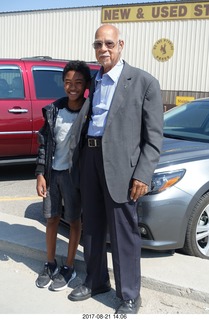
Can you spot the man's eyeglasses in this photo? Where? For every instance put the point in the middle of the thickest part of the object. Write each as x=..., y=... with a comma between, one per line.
x=108, y=44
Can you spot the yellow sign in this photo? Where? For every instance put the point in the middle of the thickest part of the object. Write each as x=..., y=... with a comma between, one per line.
x=156, y=12
x=163, y=50
x=181, y=100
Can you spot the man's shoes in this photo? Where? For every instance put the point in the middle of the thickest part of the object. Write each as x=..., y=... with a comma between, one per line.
x=62, y=278
x=82, y=292
x=129, y=306
x=46, y=276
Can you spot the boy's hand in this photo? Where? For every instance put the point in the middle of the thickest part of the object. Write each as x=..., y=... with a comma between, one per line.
x=41, y=186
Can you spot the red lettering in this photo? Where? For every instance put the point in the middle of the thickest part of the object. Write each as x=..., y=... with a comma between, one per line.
x=165, y=12
x=115, y=15
x=155, y=12
x=182, y=11
x=198, y=10
x=206, y=6
x=107, y=15
x=125, y=13
x=173, y=11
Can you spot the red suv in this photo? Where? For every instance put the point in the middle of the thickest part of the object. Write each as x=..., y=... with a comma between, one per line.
x=27, y=85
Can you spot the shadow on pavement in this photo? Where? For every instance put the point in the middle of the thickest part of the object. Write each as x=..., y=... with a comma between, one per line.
x=17, y=172
x=34, y=212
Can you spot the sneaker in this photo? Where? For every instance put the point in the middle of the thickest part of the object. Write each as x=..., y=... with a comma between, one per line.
x=45, y=277
x=63, y=278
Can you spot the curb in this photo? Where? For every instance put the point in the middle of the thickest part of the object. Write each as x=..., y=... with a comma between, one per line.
x=147, y=282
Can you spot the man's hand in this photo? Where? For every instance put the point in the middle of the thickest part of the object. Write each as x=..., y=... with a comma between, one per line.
x=138, y=189
x=41, y=186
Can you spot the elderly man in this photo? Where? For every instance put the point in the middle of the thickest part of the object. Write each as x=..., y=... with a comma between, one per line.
x=122, y=139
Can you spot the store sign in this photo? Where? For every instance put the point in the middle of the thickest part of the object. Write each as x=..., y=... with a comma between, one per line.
x=156, y=12
x=183, y=99
x=163, y=50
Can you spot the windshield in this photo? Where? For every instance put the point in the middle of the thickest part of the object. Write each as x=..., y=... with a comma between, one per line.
x=189, y=121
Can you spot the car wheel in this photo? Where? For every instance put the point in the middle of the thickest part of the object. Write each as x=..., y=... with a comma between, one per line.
x=197, y=235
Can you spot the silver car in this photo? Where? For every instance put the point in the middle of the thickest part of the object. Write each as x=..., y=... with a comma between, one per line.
x=175, y=214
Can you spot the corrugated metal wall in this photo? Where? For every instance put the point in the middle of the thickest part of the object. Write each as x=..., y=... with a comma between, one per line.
x=188, y=69
x=69, y=33
x=64, y=33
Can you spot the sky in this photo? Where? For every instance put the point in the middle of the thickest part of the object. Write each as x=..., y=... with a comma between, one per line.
x=22, y=5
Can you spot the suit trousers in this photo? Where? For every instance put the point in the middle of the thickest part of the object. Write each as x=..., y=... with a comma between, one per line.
x=100, y=211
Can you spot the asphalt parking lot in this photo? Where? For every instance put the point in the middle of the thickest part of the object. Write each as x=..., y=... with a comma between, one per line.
x=171, y=284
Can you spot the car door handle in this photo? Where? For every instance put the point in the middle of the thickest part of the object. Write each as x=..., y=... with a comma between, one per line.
x=18, y=110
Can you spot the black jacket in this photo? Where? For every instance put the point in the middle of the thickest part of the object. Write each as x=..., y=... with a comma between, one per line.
x=46, y=138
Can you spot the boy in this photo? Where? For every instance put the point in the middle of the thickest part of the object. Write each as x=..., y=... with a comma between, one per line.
x=54, y=181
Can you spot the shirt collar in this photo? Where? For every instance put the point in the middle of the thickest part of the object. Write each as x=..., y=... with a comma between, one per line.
x=114, y=73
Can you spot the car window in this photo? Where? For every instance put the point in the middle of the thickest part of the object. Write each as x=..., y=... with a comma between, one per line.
x=11, y=83
x=187, y=116
x=189, y=121
x=48, y=82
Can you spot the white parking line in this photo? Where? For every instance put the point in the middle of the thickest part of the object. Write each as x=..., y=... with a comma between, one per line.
x=2, y=199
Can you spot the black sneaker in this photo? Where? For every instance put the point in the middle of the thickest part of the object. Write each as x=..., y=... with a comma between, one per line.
x=63, y=278
x=45, y=277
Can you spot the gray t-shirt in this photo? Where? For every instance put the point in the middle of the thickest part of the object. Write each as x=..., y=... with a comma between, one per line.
x=64, y=121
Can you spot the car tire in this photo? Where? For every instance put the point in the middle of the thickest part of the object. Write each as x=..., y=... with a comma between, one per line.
x=197, y=235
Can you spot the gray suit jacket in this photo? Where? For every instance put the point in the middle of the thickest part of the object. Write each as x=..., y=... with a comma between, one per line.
x=132, y=139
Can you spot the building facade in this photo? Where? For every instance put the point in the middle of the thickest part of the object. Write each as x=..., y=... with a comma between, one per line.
x=169, y=40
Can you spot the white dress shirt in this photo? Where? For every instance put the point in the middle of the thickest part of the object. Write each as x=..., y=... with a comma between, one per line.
x=105, y=88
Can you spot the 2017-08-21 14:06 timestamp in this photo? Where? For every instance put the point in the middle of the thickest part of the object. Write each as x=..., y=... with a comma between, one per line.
x=103, y=316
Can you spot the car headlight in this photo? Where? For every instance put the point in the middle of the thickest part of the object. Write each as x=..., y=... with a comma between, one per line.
x=164, y=180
